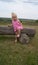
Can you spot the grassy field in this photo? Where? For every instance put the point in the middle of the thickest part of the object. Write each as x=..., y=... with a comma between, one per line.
x=18, y=54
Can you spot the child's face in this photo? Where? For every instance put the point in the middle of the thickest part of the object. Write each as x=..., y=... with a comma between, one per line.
x=14, y=17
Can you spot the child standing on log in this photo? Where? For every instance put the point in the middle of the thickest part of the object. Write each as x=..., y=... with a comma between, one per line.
x=17, y=25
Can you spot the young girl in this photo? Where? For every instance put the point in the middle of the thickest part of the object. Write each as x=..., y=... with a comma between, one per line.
x=17, y=25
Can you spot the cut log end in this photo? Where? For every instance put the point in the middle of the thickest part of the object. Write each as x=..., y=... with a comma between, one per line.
x=24, y=39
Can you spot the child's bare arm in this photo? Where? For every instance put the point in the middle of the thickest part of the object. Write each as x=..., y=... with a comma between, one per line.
x=19, y=22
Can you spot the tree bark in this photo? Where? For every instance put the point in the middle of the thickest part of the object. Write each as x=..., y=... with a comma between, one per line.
x=5, y=30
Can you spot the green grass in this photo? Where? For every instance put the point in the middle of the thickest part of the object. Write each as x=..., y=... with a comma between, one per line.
x=17, y=54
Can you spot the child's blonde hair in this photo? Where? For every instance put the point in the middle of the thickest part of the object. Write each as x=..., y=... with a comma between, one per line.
x=13, y=14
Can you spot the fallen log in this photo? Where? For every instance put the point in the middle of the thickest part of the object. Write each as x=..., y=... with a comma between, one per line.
x=26, y=32
x=5, y=30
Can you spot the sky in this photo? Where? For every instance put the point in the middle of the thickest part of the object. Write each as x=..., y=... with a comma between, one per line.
x=27, y=9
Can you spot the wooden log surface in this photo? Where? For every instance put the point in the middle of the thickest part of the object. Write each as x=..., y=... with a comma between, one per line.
x=8, y=30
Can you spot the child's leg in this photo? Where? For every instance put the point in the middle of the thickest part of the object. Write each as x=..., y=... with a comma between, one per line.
x=15, y=39
x=17, y=35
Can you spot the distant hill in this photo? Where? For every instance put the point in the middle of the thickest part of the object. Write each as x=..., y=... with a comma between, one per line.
x=22, y=20
x=27, y=20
